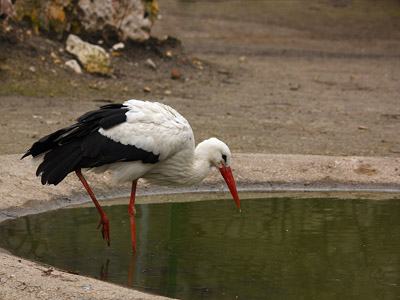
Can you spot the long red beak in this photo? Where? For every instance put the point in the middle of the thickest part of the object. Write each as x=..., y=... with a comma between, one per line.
x=228, y=176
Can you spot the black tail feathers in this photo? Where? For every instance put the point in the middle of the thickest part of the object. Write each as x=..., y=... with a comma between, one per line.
x=63, y=150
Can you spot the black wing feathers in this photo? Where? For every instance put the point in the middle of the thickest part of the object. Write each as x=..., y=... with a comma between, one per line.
x=99, y=150
x=58, y=163
x=47, y=142
x=107, y=116
x=82, y=146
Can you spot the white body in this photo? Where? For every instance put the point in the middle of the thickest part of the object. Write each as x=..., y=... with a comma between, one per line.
x=158, y=128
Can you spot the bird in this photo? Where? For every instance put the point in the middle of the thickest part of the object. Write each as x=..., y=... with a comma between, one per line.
x=134, y=139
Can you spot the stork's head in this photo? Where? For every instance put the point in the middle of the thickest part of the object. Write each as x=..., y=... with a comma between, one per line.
x=216, y=152
x=218, y=155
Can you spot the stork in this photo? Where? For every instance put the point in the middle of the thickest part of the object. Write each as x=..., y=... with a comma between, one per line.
x=136, y=139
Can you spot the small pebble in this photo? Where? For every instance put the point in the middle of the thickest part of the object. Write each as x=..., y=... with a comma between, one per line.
x=118, y=46
x=150, y=63
x=175, y=74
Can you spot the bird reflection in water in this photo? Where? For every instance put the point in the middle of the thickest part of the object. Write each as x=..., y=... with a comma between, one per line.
x=104, y=270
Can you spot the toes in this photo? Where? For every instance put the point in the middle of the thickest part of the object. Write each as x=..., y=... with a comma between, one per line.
x=105, y=229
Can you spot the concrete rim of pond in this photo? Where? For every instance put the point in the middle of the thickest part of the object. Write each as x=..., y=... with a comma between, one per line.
x=276, y=174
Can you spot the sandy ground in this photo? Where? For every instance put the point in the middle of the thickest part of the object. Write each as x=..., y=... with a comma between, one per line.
x=22, y=194
x=305, y=94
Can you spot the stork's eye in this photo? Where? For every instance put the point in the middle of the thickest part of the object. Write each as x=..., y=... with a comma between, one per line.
x=224, y=157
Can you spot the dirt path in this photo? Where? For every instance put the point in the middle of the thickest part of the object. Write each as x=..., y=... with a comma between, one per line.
x=301, y=79
x=310, y=78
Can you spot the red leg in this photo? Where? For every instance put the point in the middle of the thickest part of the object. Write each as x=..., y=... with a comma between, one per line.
x=131, y=271
x=105, y=229
x=132, y=214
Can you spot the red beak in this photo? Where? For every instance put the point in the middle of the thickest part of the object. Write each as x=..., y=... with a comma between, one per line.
x=228, y=176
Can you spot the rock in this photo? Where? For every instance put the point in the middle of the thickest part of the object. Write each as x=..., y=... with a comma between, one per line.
x=150, y=63
x=147, y=89
x=93, y=58
x=49, y=15
x=113, y=20
x=7, y=9
x=74, y=65
x=175, y=74
x=295, y=87
x=118, y=46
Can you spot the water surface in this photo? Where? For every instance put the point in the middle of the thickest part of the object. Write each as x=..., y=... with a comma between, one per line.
x=275, y=249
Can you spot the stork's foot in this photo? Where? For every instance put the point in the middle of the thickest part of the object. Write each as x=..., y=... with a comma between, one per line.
x=105, y=228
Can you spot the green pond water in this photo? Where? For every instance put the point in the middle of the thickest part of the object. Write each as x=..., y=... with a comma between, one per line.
x=278, y=248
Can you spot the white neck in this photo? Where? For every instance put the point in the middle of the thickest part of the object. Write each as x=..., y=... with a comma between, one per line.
x=200, y=168
x=207, y=154
x=185, y=168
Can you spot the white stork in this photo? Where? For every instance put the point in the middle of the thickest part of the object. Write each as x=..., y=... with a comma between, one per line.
x=136, y=139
